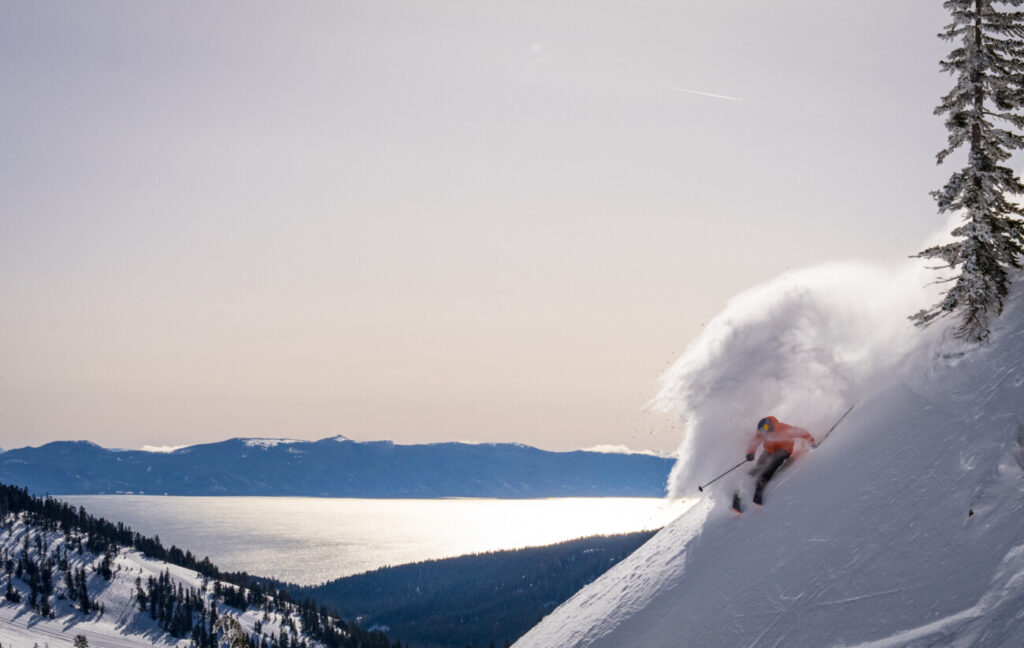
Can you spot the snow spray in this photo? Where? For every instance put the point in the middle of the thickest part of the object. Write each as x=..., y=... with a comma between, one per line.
x=800, y=347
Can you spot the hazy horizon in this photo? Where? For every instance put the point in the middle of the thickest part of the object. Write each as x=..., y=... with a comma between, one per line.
x=429, y=221
x=160, y=449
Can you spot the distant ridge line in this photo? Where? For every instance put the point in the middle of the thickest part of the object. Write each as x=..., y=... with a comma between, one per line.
x=336, y=467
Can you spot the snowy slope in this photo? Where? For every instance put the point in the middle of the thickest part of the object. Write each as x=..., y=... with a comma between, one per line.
x=121, y=625
x=868, y=541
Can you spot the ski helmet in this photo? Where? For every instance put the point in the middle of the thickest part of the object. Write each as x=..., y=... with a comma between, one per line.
x=766, y=425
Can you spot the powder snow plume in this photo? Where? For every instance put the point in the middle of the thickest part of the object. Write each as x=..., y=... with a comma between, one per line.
x=802, y=347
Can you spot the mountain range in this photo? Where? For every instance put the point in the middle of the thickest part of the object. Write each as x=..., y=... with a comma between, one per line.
x=335, y=467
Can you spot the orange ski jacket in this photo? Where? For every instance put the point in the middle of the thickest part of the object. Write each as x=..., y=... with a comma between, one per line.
x=782, y=437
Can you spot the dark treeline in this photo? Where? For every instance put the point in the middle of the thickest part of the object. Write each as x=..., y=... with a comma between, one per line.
x=480, y=600
x=182, y=612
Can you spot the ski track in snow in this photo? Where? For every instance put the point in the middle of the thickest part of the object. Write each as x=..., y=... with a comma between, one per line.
x=867, y=542
x=966, y=628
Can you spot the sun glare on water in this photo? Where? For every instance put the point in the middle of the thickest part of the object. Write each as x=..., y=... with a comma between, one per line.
x=311, y=540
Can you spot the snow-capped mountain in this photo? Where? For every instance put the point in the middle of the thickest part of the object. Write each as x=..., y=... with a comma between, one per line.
x=335, y=467
x=904, y=529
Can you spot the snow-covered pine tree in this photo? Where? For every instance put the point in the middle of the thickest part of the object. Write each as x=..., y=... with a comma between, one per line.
x=988, y=65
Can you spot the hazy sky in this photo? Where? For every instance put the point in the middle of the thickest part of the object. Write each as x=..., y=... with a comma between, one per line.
x=426, y=221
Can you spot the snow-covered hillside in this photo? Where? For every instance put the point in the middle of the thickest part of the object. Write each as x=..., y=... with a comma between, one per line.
x=117, y=621
x=904, y=529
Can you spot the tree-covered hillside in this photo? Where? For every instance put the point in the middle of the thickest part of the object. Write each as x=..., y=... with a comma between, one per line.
x=476, y=600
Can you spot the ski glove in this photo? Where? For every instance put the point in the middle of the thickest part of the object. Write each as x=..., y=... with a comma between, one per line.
x=750, y=457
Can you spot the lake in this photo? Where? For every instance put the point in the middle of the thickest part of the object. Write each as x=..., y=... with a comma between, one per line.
x=311, y=540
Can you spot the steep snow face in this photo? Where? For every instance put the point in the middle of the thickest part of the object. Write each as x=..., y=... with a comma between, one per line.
x=904, y=529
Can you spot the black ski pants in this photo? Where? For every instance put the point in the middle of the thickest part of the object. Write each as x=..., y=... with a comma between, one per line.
x=774, y=461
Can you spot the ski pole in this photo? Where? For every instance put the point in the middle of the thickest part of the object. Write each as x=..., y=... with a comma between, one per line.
x=815, y=445
x=701, y=488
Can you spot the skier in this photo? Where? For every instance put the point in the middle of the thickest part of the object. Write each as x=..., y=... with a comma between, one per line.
x=779, y=444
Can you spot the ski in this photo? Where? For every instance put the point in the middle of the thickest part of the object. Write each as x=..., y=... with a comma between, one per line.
x=736, y=503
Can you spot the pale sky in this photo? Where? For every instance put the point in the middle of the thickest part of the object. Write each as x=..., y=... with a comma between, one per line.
x=429, y=221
